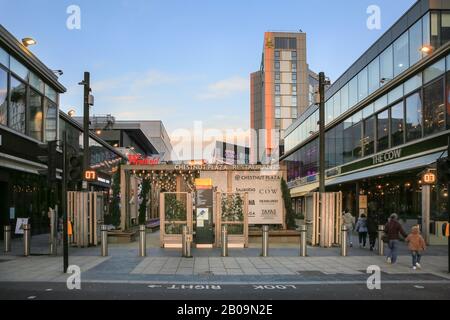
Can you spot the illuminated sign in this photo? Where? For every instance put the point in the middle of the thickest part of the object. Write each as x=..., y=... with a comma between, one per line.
x=429, y=178
x=137, y=159
x=90, y=175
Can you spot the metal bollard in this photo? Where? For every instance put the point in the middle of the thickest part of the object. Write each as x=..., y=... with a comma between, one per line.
x=26, y=239
x=53, y=232
x=224, y=241
x=344, y=230
x=186, y=240
x=142, y=241
x=380, y=240
x=7, y=237
x=303, y=232
x=104, y=231
x=265, y=241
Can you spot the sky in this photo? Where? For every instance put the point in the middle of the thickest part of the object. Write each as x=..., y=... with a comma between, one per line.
x=185, y=61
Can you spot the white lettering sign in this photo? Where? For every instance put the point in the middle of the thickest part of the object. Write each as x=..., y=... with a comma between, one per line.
x=387, y=156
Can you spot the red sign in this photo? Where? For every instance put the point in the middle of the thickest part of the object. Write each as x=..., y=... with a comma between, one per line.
x=137, y=159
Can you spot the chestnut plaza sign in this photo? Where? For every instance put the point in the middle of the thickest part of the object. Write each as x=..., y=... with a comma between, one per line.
x=265, y=202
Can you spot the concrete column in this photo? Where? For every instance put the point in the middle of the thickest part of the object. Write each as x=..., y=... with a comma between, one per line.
x=426, y=201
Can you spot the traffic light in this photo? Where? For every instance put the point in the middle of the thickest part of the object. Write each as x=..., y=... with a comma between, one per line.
x=75, y=168
x=50, y=159
x=443, y=170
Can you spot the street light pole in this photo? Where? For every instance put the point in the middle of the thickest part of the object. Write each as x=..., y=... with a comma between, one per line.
x=64, y=205
x=86, y=104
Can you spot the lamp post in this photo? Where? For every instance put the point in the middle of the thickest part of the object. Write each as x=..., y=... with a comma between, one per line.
x=88, y=101
x=322, y=83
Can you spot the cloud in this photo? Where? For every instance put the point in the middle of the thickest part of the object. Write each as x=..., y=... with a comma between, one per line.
x=225, y=88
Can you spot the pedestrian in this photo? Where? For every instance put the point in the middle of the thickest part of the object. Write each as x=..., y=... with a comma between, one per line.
x=393, y=230
x=372, y=229
x=361, y=228
x=349, y=221
x=416, y=244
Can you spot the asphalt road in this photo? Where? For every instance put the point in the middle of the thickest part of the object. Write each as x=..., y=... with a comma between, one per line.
x=431, y=290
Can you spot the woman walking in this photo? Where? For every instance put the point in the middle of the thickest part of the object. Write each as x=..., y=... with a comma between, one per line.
x=393, y=229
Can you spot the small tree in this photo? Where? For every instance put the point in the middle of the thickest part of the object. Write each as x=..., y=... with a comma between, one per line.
x=145, y=190
x=290, y=214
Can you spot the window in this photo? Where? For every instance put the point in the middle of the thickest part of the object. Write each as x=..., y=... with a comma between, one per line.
x=294, y=55
x=277, y=65
x=413, y=83
x=277, y=88
x=401, y=54
x=395, y=94
x=381, y=103
x=445, y=27
x=294, y=101
x=294, y=66
x=35, y=116
x=277, y=76
x=433, y=107
x=369, y=136
x=368, y=111
x=415, y=43
x=339, y=143
x=434, y=17
x=426, y=30
x=329, y=110
x=277, y=54
x=352, y=141
x=294, y=89
x=363, y=88
x=294, y=113
x=434, y=71
x=4, y=58
x=386, y=66
x=353, y=92
x=294, y=76
x=374, y=75
x=19, y=69
x=36, y=82
x=413, y=117
x=337, y=104
x=51, y=93
x=278, y=113
x=383, y=131
x=3, y=96
x=397, y=126
x=50, y=111
x=278, y=101
x=448, y=99
x=344, y=98
x=16, y=112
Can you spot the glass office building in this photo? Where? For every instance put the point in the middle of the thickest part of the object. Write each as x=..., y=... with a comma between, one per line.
x=387, y=119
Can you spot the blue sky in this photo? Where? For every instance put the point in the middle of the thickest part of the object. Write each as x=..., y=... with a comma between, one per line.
x=185, y=61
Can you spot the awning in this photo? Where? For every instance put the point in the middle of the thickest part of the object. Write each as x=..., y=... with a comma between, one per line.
x=303, y=190
x=414, y=163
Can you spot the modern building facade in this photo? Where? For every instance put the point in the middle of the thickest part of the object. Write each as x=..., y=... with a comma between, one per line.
x=147, y=138
x=228, y=153
x=279, y=92
x=387, y=120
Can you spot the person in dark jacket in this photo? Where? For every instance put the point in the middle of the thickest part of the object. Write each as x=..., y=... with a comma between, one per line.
x=372, y=228
x=393, y=230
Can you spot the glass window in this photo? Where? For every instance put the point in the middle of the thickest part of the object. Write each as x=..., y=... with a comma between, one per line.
x=401, y=55
x=395, y=94
x=357, y=117
x=337, y=104
x=397, y=126
x=363, y=84
x=426, y=29
x=294, y=55
x=294, y=113
x=386, y=66
x=413, y=83
x=51, y=93
x=294, y=101
x=36, y=82
x=3, y=96
x=434, y=107
x=277, y=65
x=294, y=76
x=353, y=92
x=4, y=58
x=19, y=69
x=50, y=111
x=435, y=43
x=383, y=131
x=413, y=117
x=369, y=136
x=344, y=98
x=35, y=116
x=381, y=103
x=415, y=43
x=277, y=88
x=445, y=27
x=278, y=113
x=294, y=66
x=277, y=54
x=277, y=75
x=448, y=99
x=368, y=111
x=277, y=101
x=434, y=71
x=16, y=112
x=374, y=75
x=294, y=89
x=329, y=110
